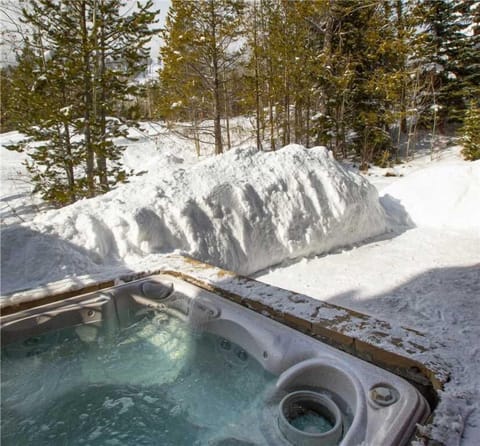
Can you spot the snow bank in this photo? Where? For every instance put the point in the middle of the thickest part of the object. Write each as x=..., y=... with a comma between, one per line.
x=441, y=196
x=243, y=211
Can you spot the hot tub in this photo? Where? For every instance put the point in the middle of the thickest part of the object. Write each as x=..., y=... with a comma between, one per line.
x=161, y=361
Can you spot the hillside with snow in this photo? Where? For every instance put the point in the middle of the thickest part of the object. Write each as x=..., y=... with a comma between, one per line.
x=405, y=248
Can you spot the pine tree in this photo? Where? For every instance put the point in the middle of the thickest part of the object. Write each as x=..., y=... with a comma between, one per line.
x=85, y=52
x=443, y=50
x=334, y=81
x=471, y=133
x=42, y=110
x=254, y=75
x=467, y=14
x=26, y=88
x=362, y=54
x=198, y=57
x=261, y=73
x=401, y=76
x=280, y=69
x=120, y=54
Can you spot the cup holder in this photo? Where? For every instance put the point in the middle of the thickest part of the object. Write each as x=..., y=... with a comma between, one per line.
x=309, y=418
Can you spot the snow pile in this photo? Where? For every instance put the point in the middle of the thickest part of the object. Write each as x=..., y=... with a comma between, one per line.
x=244, y=211
x=441, y=196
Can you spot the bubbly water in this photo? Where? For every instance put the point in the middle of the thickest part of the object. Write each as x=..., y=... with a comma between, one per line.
x=155, y=383
x=312, y=422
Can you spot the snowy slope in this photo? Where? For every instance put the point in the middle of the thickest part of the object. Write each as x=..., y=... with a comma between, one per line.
x=244, y=211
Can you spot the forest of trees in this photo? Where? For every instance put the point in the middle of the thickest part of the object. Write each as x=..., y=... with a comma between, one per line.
x=361, y=77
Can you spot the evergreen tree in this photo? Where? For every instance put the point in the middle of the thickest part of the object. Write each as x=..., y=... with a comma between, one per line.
x=281, y=66
x=444, y=57
x=198, y=57
x=26, y=88
x=6, y=100
x=362, y=53
x=357, y=77
x=42, y=110
x=254, y=77
x=261, y=73
x=120, y=55
x=85, y=52
x=467, y=13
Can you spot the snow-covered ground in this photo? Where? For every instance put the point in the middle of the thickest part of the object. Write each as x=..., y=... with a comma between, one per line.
x=411, y=257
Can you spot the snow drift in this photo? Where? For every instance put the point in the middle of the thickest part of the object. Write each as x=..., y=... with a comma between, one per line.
x=442, y=196
x=243, y=211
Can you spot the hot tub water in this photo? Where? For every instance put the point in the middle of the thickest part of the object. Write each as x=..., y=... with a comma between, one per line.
x=157, y=382
x=312, y=422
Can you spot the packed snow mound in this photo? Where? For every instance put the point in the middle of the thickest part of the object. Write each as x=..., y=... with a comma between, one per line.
x=442, y=196
x=244, y=211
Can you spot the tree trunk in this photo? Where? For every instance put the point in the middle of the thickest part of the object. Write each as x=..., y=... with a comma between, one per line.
x=217, y=123
x=68, y=163
x=286, y=105
x=257, y=81
x=271, y=116
x=195, y=133
x=307, y=130
x=100, y=153
x=88, y=103
x=226, y=100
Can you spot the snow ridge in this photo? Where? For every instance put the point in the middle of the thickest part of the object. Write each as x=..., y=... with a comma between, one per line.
x=243, y=211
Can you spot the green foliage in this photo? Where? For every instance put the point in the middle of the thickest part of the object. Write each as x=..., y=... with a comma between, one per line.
x=24, y=89
x=73, y=75
x=357, y=77
x=362, y=53
x=383, y=159
x=53, y=163
x=199, y=56
x=471, y=133
x=448, y=56
x=6, y=99
x=282, y=69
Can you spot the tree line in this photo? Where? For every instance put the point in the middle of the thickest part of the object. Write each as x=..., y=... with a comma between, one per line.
x=361, y=77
